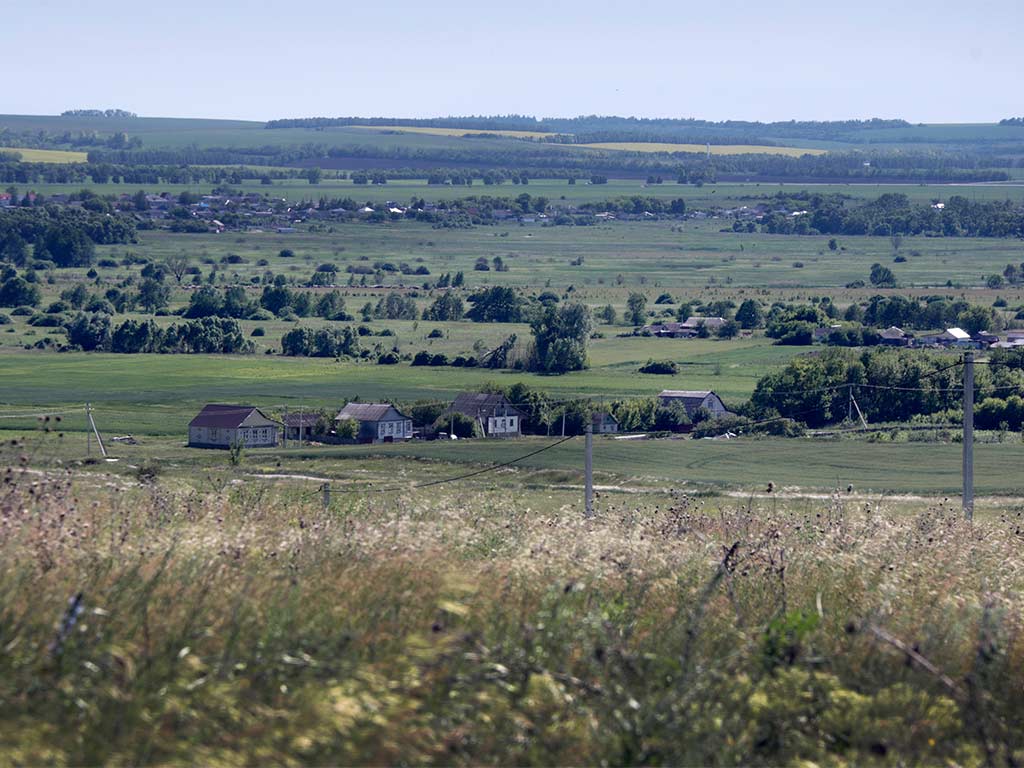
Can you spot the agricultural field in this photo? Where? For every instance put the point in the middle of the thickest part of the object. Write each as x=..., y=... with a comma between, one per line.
x=715, y=149
x=47, y=155
x=458, y=132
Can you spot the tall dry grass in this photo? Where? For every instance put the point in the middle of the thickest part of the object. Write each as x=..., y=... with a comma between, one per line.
x=152, y=625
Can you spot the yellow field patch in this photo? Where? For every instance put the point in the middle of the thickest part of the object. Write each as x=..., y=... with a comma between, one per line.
x=47, y=155
x=716, y=149
x=452, y=131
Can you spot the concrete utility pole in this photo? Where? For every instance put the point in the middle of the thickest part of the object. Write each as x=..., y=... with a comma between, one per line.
x=326, y=488
x=588, y=470
x=88, y=435
x=968, y=437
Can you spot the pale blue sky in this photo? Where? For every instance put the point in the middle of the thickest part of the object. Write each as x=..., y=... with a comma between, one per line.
x=937, y=61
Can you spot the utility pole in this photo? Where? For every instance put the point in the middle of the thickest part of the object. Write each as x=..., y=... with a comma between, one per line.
x=326, y=488
x=968, y=437
x=588, y=470
x=96, y=432
x=284, y=432
x=563, y=422
x=88, y=435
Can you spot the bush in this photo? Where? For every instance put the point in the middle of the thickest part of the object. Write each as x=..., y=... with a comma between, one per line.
x=258, y=331
x=661, y=367
x=388, y=358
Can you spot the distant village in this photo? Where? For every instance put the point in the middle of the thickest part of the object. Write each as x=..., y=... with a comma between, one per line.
x=492, y=415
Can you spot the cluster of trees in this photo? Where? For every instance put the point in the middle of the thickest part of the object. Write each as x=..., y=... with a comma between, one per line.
x=890, y=385
x=211, y=335
x=65, y=236
x=276, y=300
x=110, y=113
x=893, y=213
x=322, y=342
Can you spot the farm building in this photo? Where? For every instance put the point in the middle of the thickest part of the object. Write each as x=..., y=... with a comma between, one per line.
x=670, y=330
x=951, y=337
x=300, y=426
x=895, y=337
x=378, y=422
x=604, y=423
x=694, y=400
x=222, y=426
x=496, y=416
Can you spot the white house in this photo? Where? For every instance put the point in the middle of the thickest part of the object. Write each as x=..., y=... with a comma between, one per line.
x=496, y=416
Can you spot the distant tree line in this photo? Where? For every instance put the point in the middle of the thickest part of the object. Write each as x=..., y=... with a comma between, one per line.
x=119, y=113
x=892, y=213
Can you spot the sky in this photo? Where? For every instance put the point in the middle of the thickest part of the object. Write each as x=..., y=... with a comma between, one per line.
x=938, y=61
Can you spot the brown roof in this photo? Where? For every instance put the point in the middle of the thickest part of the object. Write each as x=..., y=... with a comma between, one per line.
x=230, y=416
x=302, y=419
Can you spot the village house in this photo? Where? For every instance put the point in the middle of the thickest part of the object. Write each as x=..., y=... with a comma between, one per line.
x=695, y=400
x=603, y=423
x=223, y=426
x=895, y=337
x=711, y=323
x=495, y=415
x=670, y=330
x=378, y=422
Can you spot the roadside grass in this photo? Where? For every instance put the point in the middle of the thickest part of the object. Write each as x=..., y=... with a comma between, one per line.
x=242, y=623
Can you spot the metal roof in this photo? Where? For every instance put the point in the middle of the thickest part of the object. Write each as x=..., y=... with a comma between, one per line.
x=230, y=416
x=369, y=412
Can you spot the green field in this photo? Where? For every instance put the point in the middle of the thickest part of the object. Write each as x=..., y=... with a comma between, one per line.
x=714, y=149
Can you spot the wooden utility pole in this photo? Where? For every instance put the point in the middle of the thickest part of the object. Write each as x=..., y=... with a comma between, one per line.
x=968, y=437
x=588, y=470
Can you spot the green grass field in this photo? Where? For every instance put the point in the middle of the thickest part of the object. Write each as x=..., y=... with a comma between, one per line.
x=715, y=149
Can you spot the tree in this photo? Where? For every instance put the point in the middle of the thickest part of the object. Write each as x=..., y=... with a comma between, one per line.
x=445, y=307
x=882, y=277
x=17, y=292
x=153, y=295
x=730, y=329
x=206, y=302
x=608, y=314
x=496, y=305
x=313, y=175
x=177, y=265
x=560, y=336
x=750, y=315
x=976, y=319
x=89, y=331
x=636, y=309
x=833, y=244
x=68, y=246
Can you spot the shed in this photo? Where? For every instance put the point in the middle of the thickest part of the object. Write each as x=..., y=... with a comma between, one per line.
x=300, y=426
x=222, y=426
x=604, y=423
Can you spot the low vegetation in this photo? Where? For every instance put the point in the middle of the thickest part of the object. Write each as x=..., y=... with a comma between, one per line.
x=173, y=626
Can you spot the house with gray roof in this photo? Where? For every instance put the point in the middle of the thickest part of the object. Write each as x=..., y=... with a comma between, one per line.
x=694, y=400
x=495, y=415
x=223, y=426
x=378, y=422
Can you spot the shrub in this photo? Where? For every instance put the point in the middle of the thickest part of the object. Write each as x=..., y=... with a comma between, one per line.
x=661, y=367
